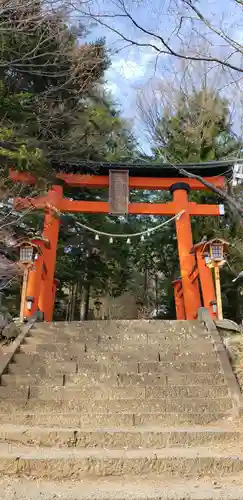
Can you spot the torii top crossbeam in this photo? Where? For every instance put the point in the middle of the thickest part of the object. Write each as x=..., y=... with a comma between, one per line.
x=139, y=176
x=148, y=170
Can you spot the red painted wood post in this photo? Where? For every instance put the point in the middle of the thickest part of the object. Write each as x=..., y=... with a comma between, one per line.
x=50, y=232
x=184, y=240
x=179, y=299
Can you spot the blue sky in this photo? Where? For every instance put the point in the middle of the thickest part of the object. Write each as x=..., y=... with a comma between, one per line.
x=134, y=68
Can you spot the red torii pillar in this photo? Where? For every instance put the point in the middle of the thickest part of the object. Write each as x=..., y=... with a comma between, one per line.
x=179, y=299
x=41, y=286
x=191, y=291
x=50, y=232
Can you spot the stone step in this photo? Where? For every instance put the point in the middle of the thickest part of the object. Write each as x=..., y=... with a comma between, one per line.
x=138, y=350
x=15, y=393
x=32, y=364
x=33, y=344
x=96, y=371
x=125, y=488
x=115, y=326
x=26, y=361
x=174, y=378
x=67, y=393
x=80, y=380
x=150, y=392
x=79, y=353
x=184, y=340
x=12, y=380
x=27, y=416
x=49, y=360
x=44, y=372
x=61, y=463
x=127, y=438
x=105, y=343
x=183, y=367
x=124, y=328
x=135, y=337
x=180, y=405
x=91, y=347
x=95, y=338
x=127, y=334
x=99, y=355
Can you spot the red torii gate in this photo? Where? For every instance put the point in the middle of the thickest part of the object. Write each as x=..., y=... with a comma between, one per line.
x=41, y=284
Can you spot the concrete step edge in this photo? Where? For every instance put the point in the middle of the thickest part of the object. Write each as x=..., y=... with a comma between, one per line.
x=125, y=488
x=135, y=430
x=78, y=414
x=39, y=359
x=100, y=393
x=118, y=388
x=61, y=463
x=117, y=438
x=157, y=401
x=26, y=452
x=67, y=418
x=159, y=377
x=138, y=339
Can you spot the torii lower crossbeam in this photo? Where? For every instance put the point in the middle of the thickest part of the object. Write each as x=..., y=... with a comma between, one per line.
x=102, y=207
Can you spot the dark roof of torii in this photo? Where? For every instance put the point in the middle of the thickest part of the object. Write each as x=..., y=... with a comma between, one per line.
x=142, y=169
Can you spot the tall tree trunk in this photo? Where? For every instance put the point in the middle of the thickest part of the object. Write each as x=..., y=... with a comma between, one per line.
x=86, y=301
x=70, y=302
x=156, y=293
x=80, y=300
x=87, y=287
x=145, y=289
x=67, y=311
x=73, y=303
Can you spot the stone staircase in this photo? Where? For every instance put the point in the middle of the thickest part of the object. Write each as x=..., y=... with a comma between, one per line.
x=117, y=403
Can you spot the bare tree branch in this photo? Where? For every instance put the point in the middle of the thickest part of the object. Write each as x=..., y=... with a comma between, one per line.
x=198, y=110
x=212, y=28
x=235, y=207
x=165, y=45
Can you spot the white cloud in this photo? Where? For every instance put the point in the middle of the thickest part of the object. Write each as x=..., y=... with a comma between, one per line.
x=124, y=75
x=112, y=87
x=136, y=65
x=128, y=68
x=238, y=35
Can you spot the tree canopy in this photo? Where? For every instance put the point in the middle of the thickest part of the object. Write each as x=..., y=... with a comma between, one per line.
x=54, y=111
x=199, y=130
